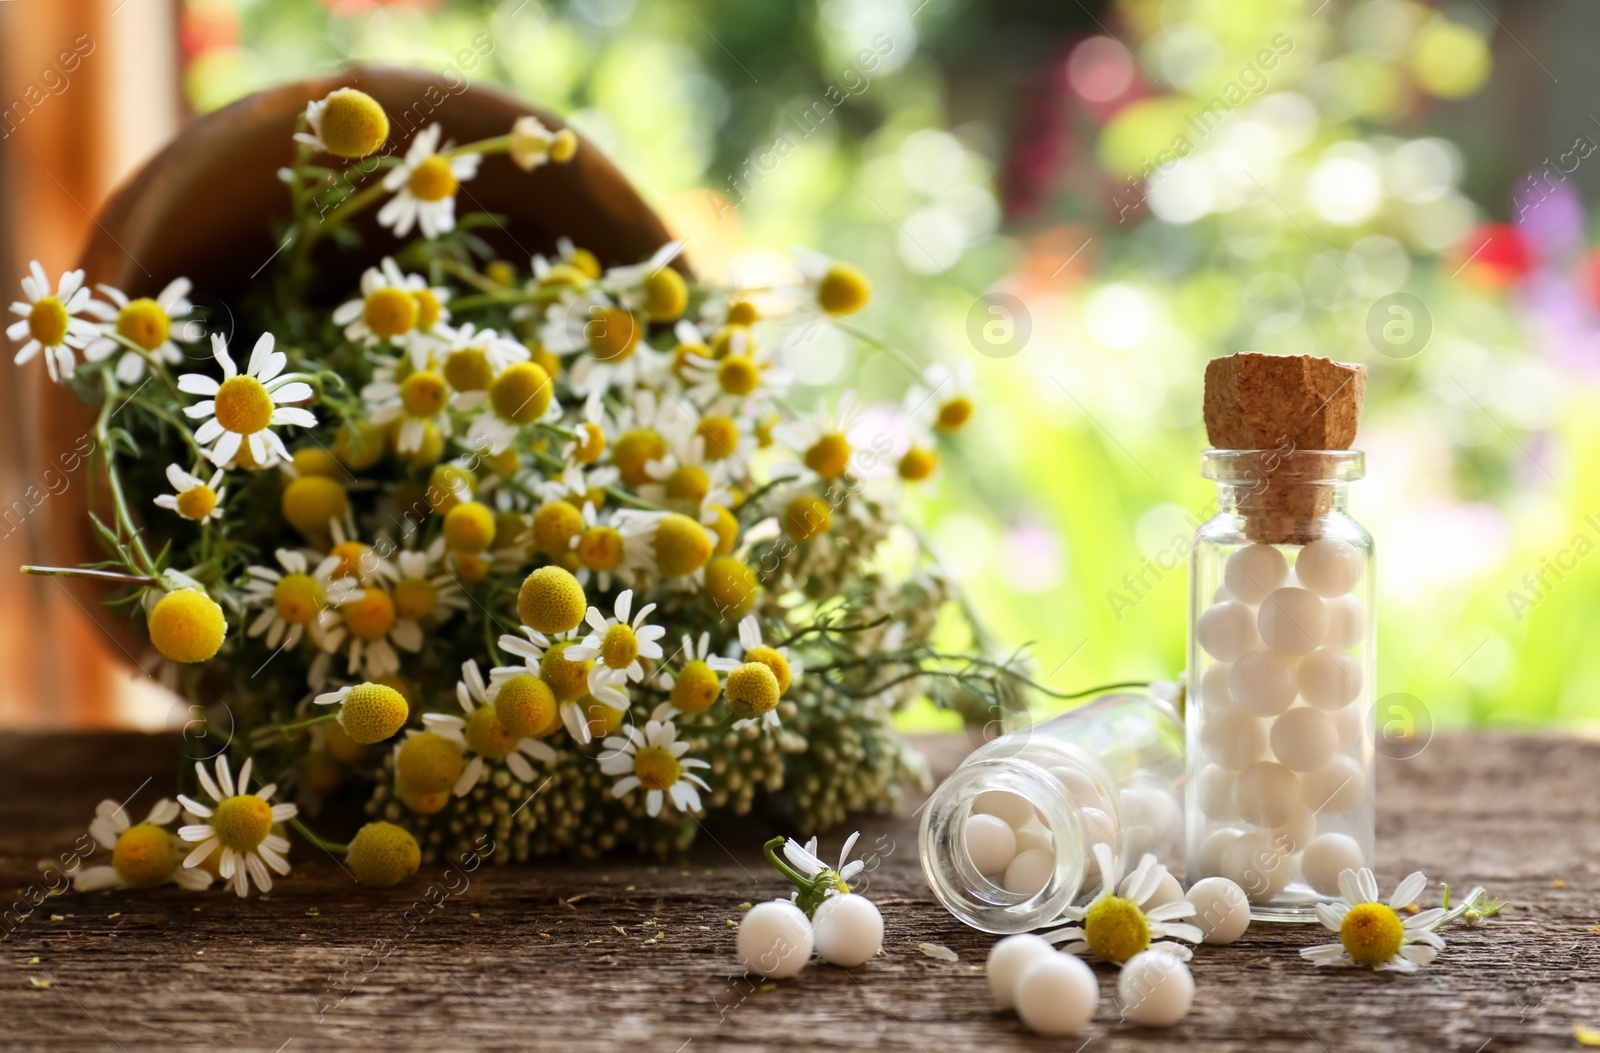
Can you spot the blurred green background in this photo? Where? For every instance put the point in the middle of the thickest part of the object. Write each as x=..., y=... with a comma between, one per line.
x=1153, y=184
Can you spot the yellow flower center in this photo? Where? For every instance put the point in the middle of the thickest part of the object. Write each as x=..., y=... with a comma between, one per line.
x=567, y=679
x=242, y=822
x=187, y=626
x=486, y=736
x=145, y=323
x=354, y=557
x=471, y=568
x=696, y=688
x=522, y=393
x=665, y=295
x=682, y=545
x=564, y=146
x=311, y=501
x=564, y=274
x=590, y=445
x=551, y=601
x=742, y=312
x=314, y=460
x=373, y=712
x=382, y=855
x=752, y=689
x=738, y=375
x=918, y=463
x=469, y=369
x=415, y=598
x=428, y=763
x=429, y=309
x=773, y=660
x=432, y=180
x=726, y=527
x=353, y=124
x=526, y=707
x=843, y=290
x=144, y=855
x=448, y=486
x=806, y=517
x=731, y=587
x=554, y=527
x=829, y=456
x=390, y=312
x=197, y=502
x=599, y=718
x=656, y=768
x=1372, y=933
x=634, y=450
x=469, y=527
x=359, y=446
x=422, y=803
x=586, y=262
x=600, y=548
x=619, y=648
x=424, y=394
x=47, y=321
x=612, y=333
x=371, y=616
x=429, y=449
x=298, y=597
x=721, y=436
x=243, y=405
x=732, y=339
x=955, y=413
x=688, y=482
x=1115, y=929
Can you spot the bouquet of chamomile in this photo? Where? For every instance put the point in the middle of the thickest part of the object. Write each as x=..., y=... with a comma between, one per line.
x=540, y=556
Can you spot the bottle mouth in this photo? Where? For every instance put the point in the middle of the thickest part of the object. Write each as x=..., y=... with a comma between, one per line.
x=1258, y=470
x=975, y=898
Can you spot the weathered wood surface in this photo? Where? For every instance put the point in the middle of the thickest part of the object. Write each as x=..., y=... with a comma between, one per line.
x=643, y=961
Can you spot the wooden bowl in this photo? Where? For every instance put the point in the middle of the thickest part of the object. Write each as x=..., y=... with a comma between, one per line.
x=203, y=207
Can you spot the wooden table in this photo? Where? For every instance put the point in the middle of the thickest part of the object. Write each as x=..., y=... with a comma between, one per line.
x=629, y=955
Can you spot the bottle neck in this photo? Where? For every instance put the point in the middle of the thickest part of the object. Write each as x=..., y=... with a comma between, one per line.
x=1281, y=495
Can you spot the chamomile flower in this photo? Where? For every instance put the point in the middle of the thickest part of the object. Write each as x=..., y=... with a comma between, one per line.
x=686, y=476
x=145, y=323
x=824, y=880
x=425, y=186
x=371, y=628
x=568, y=678
x=670, y=545
x=240, y=824
x=600, y=548
x=193, y=498
x=243, y=407
x=393, y=306
x=522, y=394
x=1371, y=933
x=944, y=400
x=615, y=354
x=654, y=760
x=746, y=374
x=823, y=439
x=615, y=646
x=482, y=734
x=833, y=287
x=296, y=599
x=50, y=323
x=415, y=404
x=423, y=590
x=532, y=144
x=652, y=288
x=368, y=713
x=695, y=686
x=142, y=856
x=1117, y=927
x=471, y=360
x=752, y=648
x=345, y=123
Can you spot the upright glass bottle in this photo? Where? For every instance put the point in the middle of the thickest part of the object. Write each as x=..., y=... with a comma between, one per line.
x=1006, y=840
x=1281, y=680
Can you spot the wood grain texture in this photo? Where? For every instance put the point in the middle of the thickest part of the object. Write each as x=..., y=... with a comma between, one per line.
x=630, y=955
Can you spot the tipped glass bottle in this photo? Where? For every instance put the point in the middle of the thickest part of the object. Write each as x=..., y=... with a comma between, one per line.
x=1281, y=680
x=1006, y=839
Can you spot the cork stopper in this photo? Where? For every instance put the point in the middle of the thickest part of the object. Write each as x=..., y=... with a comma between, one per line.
x=1280, y=404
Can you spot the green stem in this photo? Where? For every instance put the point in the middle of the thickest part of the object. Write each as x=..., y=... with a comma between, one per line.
x=300, y=724
x=87, y=572
x=770, y=850
x=327, y=846
x=119, y=500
